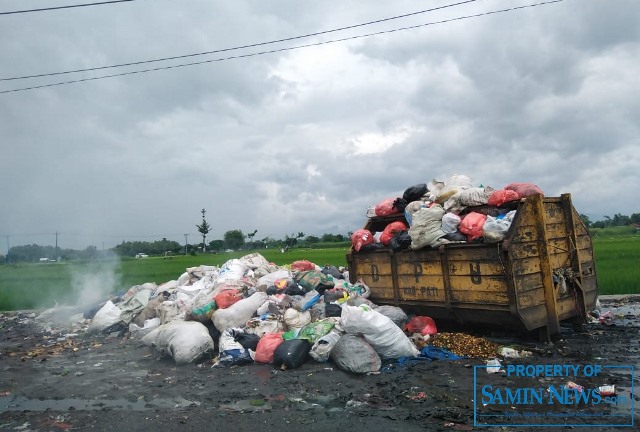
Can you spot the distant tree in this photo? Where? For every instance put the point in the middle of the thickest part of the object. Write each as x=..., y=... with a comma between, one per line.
x=250, y=236
x=312, y=239
x=292, y=240
x=585, y=220
x=635, y=218
x=216, y=245
x=620, y=220
x=204, y=229
x=234, y=239
x=332, y=238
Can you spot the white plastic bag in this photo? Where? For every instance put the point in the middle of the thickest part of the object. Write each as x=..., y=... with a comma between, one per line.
x=321, y=350
x=184, y=341
x=238, y=313
x=108, y=315
x=379, y=331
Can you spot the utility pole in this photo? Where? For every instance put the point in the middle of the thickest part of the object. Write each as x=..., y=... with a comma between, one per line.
x=185, y=243
x=57, y=254
x=204, y=234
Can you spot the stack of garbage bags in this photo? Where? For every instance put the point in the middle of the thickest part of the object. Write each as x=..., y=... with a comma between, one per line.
x=439, y=212
x=252, y=311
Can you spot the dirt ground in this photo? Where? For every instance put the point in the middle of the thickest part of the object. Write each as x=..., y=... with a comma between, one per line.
x=54, y=377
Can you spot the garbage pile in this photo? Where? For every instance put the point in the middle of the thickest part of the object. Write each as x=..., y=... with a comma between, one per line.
x=428, y=215
x=252, y=311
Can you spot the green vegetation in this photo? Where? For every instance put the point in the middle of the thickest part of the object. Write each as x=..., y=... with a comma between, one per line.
x=41, y=285
x=617, y=263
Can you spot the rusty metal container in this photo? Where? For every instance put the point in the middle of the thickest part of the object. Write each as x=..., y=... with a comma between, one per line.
x=542, y=273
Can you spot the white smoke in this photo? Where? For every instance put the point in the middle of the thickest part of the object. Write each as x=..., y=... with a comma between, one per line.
x=94, y=281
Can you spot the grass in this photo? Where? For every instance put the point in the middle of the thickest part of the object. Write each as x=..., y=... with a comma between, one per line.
x=42, y=285
x=31, y=286
x=617, y=264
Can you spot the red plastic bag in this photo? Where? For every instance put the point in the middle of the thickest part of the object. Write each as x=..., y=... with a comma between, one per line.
x=524, y=189
x=421, y=324
x=267, y=346
x=391, y=230
x=501, y=196
x=361, y=238
x=228, y=297
x=472, y=224
x=386, y=208
x=302, y=265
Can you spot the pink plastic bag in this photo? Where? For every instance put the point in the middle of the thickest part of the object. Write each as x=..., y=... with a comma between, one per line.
x=472, y=224
x=524, y=189
x=421, y=324
x=361, y=238
x=386, y=208
x=501, y=196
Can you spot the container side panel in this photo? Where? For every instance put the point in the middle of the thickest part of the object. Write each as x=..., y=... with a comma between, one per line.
x=426, y=287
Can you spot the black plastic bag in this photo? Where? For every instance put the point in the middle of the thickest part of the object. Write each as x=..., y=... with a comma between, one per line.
x=333, y=272
x=291, y=353
x=332, y=310
x=402, y=240
x=400, y=204
x=247, y=340
x=415, y=192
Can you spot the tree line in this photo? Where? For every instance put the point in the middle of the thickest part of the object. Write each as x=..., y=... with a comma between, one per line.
x=234, y=240
x=617, y=220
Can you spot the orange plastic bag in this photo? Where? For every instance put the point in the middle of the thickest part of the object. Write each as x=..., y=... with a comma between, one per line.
x=267, y=346
x=472, y=224
x=391, y=230
x=501, y=196
x=227, y=297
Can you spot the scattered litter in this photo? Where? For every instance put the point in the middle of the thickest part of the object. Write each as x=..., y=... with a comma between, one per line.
x=606, y=390
x=493, y=366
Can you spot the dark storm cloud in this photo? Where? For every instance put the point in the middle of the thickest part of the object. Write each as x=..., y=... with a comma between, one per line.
x=305, y=140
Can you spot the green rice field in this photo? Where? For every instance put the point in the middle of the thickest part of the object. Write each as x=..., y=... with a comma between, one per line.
x=42, y=285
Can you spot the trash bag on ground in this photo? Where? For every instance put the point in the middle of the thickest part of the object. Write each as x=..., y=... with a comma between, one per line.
x=239, y=313
x=379, y=331
x=232, y=351
x=395, y=313
x=352, y=353
x=292, y=353
x=266, y=323
x=315, y=330
x=421, y=324
x=321, y=349
x=266, y=347
x=302, y=265
x=107, y=315
x=314, y=280
x=184, y=341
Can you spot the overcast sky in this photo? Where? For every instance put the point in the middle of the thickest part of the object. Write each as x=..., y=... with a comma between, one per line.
x=306, y=138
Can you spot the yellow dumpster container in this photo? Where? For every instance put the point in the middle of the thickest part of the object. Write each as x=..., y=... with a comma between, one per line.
x=542, y=273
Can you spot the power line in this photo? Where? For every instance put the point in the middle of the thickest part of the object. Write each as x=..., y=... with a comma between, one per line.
x=64, y=7
x=241, y=46
x=239, y=56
